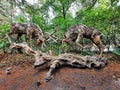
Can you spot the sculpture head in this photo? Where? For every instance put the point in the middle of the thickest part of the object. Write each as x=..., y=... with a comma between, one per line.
x=39, y=60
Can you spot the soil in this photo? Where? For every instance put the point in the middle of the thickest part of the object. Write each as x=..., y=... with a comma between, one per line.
x=24, y=77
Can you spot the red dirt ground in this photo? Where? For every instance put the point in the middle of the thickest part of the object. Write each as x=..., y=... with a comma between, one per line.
x=24, y=77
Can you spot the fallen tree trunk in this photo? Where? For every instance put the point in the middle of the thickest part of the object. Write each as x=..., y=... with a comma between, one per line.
x=62, y=59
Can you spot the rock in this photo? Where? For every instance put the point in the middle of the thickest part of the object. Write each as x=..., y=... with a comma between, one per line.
x=38, y=83
x=8, y=70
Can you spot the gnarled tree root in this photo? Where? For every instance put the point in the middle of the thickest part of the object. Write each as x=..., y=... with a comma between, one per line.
x=62, y=59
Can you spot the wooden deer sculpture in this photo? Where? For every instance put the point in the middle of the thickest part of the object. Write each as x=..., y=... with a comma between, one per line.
x=76, y=32
x=30, y=29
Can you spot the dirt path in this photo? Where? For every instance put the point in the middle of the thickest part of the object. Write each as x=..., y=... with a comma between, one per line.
x=24, y=77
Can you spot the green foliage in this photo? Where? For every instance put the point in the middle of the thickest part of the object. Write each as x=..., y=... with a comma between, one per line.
x=36, y=16
x=62, y=23
x=4, y=28
x=3, y=40
x=116, y=51
x=39, y=20
x=3, y=43
x=21, y=18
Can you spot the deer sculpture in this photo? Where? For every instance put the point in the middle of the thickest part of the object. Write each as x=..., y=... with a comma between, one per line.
x=30, y=29
x=76, y=32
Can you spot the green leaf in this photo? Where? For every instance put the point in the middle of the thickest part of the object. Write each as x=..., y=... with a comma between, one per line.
x=2, y=45
x=116, y=51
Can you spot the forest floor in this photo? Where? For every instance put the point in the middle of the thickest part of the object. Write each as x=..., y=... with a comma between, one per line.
x=24, y=77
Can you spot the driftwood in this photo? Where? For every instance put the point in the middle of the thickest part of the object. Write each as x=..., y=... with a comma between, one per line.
x=62, y=59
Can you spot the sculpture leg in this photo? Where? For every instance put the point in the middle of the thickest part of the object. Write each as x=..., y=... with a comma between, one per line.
x=78, y=40
x=9, y=39
x=30, y=36
x=50, y=72
x=69, y=42
x=97, y=41
x=18, y=37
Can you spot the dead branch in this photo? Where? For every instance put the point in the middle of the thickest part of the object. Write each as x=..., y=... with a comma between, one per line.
x=50, y=37
x=9, y=39
x=62, y=59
